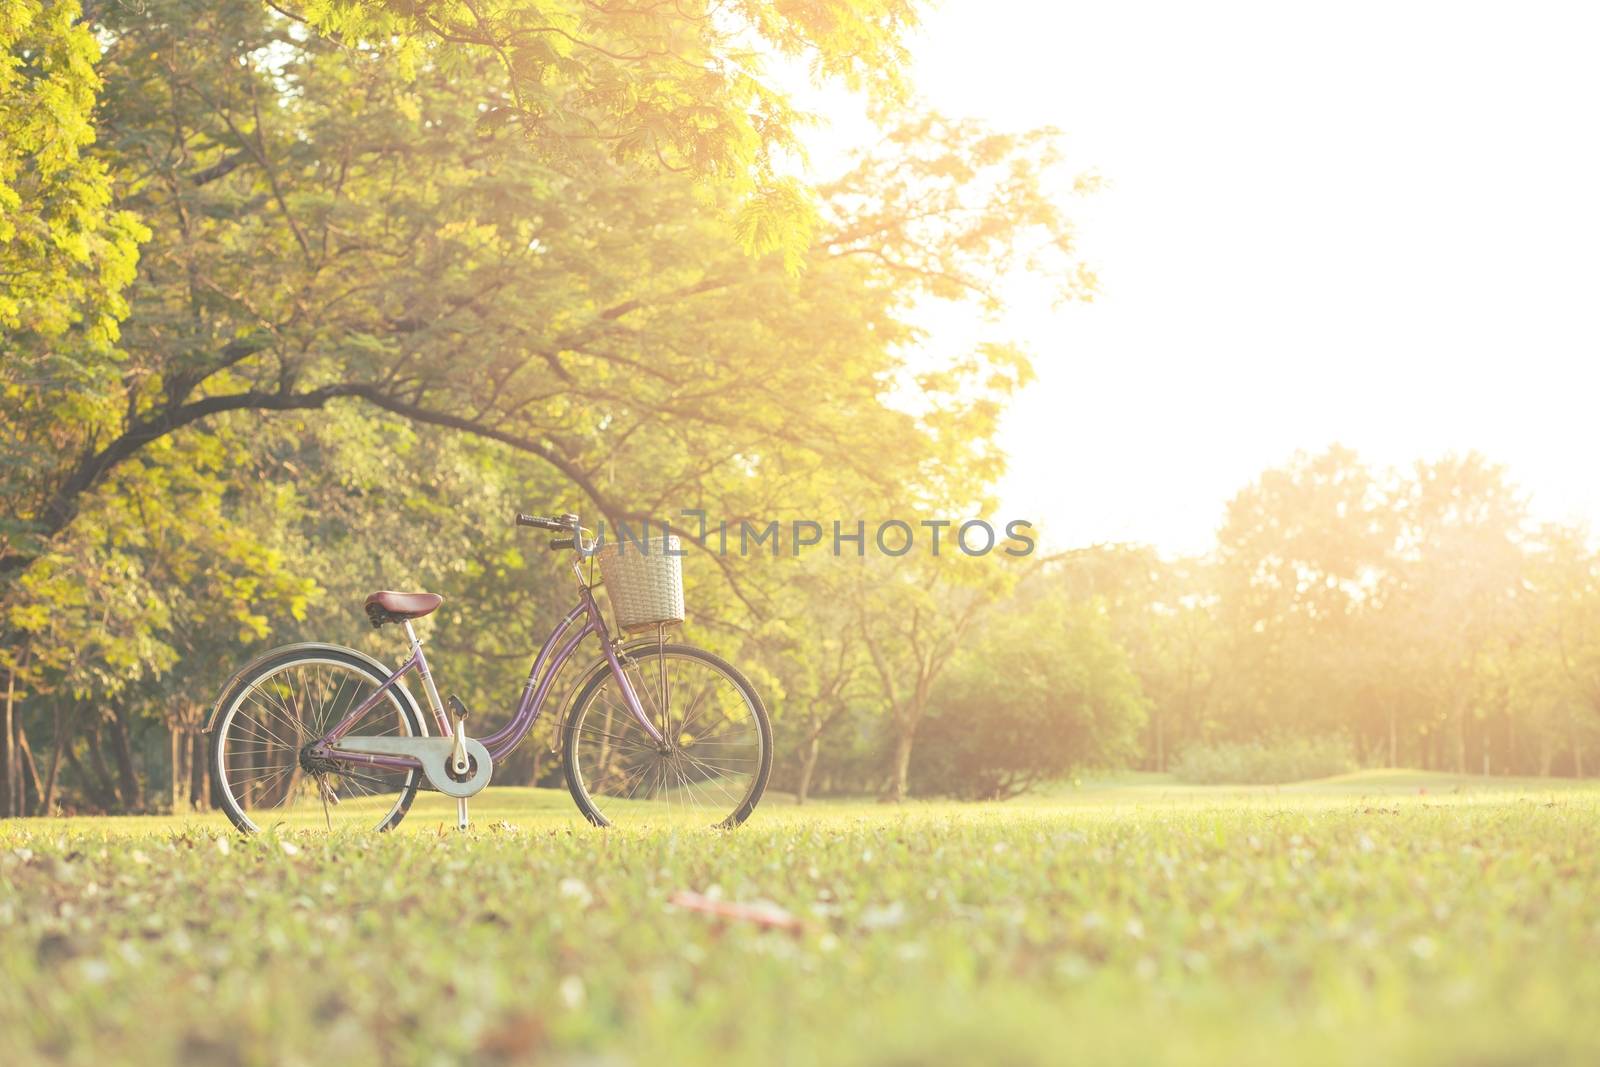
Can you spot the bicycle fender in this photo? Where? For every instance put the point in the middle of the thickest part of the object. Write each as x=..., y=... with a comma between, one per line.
x=310, y=646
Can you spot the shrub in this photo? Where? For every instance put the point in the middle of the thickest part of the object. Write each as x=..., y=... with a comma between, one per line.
x=1039, y=693
x=1264, y=763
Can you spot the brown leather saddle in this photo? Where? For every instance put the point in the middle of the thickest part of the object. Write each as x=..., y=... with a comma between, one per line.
x=386, y=606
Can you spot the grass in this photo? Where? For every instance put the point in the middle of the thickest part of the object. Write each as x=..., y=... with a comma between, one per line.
x=1355, y=920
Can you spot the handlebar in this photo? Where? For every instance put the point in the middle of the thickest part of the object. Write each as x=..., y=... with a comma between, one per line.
x=565, y=522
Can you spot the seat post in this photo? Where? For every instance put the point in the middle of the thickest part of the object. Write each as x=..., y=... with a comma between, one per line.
x=428, y=687
x=438, y=707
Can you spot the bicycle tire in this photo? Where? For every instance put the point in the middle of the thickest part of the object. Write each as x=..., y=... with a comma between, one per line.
x=585, y=699
x=231, y=702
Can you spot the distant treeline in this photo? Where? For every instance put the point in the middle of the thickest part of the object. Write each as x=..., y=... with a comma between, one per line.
x=1345, y=618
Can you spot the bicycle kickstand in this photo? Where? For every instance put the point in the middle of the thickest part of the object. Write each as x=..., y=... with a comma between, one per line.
x=461, y=813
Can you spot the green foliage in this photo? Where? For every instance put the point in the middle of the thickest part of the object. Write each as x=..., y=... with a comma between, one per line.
x=1040, y=692
x=65, y=253
x=1415, y=613
x=1264, y=762
x=1332, y=928
x=680, y=87
x=1390, y=606
x=912, y=615
x=1163, y=614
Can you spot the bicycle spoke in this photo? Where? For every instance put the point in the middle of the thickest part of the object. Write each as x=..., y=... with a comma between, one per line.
x=266, y=769
x=590, y=731
x=711, y=760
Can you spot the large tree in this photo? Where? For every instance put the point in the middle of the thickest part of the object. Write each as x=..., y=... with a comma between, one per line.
x=1459, y=561
x=1301, y=554
x=340, y=220
x=326, y=228
x=66, y=254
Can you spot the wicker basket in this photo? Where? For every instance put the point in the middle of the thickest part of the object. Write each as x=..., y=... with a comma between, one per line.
x=644, y=581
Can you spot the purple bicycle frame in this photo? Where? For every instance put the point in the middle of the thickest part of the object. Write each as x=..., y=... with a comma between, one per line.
x=502, y=741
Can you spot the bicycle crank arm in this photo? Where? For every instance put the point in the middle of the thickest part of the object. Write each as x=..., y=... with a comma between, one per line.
x=434, y=753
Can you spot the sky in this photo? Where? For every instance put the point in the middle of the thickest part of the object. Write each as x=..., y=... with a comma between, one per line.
x=1371, y=224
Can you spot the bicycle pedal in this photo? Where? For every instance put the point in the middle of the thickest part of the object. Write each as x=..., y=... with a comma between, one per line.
x=459, y=762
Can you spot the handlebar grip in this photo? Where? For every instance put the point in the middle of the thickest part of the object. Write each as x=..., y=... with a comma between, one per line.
x=540, y=522
x=561, y=525
x=563, y=542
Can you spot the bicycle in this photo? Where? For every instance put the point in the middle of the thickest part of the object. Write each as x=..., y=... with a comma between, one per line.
x=319, y=726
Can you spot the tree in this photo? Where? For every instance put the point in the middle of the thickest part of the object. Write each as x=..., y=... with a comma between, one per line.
x=65, y=257
x=1300, y=556
x=1163, y=614
x=170, y=560
x=1042, y=691
x=601, y=310
x=1549, y=654
x=818, y=674
x=913, y=615
x=1458, y=567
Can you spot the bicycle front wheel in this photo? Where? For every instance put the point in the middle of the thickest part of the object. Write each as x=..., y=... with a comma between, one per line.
x=712, y=765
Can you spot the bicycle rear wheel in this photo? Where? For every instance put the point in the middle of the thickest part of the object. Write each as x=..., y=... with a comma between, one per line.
x=259, y=749
x=716, y=760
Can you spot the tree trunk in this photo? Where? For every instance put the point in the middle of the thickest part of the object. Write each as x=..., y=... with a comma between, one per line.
x=25, y=752
x=199, y=773
x=47, y=802
x=808, y=766
x=8, y=755
x=177, y=750
x=1577, y=750
x=131, y=785
x=1513, y=757
x=900, y=769
x=1461, y=739
x=180, y=726
x=106, y=789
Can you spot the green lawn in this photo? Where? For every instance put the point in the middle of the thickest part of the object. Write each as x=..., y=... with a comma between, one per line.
x=1379, y=918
